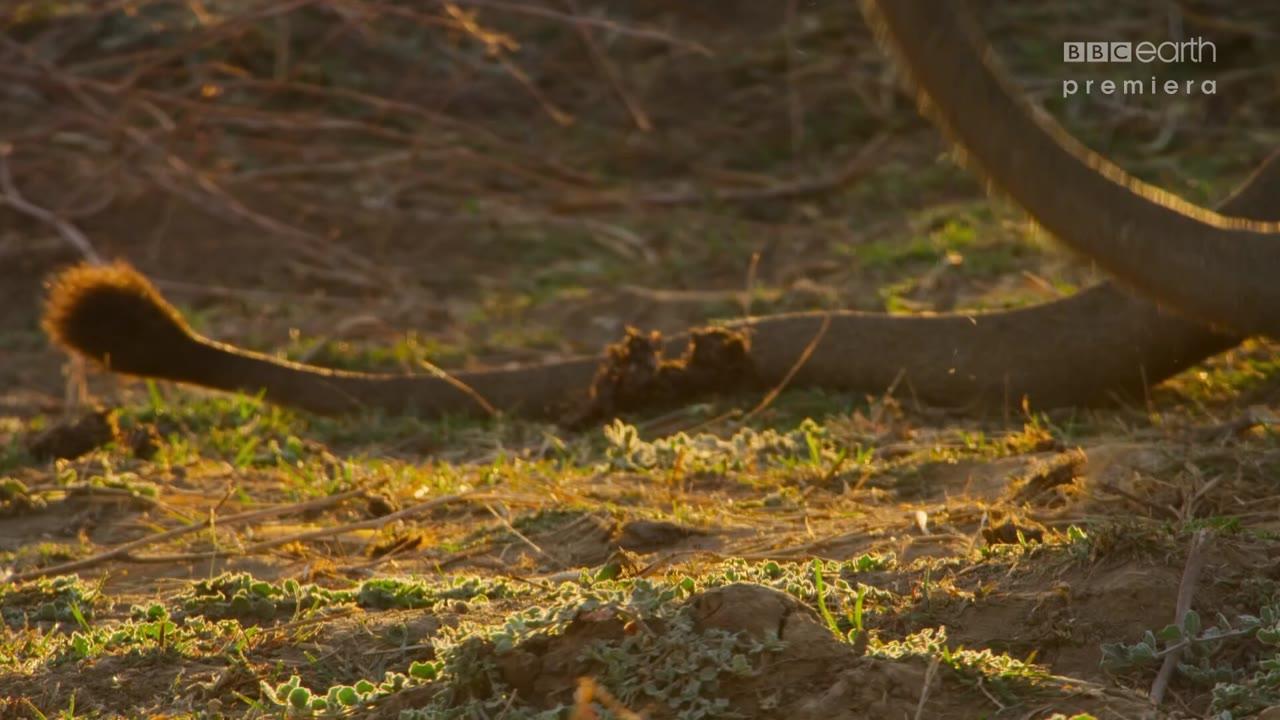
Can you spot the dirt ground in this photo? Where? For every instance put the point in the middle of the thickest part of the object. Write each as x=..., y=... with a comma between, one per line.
x=373, y=187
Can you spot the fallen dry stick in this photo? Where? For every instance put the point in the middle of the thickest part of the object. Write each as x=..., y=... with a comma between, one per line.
x=1186, y=591
x=124, y=549
x=372, y=523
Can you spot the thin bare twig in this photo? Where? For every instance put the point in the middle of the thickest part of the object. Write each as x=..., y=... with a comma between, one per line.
x=14, y=199
x=610, y=26
x=858, y=166
x=795, y=109
x=748, y=293
x=1186, y=591
x=371, y=524
x=610, y=71
x=462, y=387
x=522, y=537
x=795, y=368
x=204, y=191
x=928, y=681
x=124, y=549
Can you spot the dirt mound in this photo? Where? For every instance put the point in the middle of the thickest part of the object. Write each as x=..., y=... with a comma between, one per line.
x=759, y=652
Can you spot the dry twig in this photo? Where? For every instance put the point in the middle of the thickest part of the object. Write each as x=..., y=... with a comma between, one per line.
x=123, y=550
x=14, y=199
x=786, y=379
x=1186, y=591
x=325, y=532
x=856, y=168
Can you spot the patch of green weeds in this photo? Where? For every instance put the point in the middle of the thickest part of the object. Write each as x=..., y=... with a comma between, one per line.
x=680, y=668
x=61, y=599
x=821, y=584
x=809, y=445
x=244, y=597
x=464, y=655
x=1129, y=539
x=1240, y=688
x=392, y=593
x=966, y=240
x=243, y=430
x=1077, y=542
x=1005, y=676
x=670, y=664
x=13, y=452
x=16, y=497
x=151, y=630
x=80, y=479
x=1250, y=368
x=297, y=700
x=44, y=554
x=667, y=663
x=677, y=667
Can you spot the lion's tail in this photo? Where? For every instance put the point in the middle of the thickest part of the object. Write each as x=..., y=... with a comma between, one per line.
x=114, y=316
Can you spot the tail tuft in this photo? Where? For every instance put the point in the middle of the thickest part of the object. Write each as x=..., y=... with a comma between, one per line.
x=114, y=316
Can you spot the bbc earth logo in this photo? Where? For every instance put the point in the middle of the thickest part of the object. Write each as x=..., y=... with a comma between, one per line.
x=1194, y=50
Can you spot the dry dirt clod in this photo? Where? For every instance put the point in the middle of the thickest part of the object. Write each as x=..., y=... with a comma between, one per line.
x=635, y=374
x=1012, y=532
x=758, y=611
x=874, y=689
x=649, y=535
x=1060, y=470
x=74, y=437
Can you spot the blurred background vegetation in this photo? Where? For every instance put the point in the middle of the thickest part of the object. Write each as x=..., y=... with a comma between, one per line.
x=369, y=184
